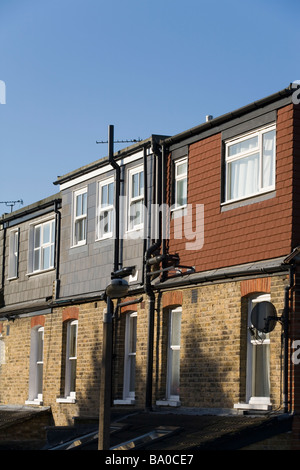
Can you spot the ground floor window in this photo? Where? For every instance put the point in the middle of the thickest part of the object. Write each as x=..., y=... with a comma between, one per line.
x=71, y=359
x=173, y=361
x=258, y=359
x=36, y=365
x=130, y=355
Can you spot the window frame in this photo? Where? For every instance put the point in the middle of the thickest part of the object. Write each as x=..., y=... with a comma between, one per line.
x=35, y=395
x=69, y=393
x=259, y=132
x=13, y=256
x=251, y=344
x=171, y=348
x=134, y=199
x=43, y=246
x=52, y=244
x=109, y=208
x=178, y=178
x=2, y=350
x=128, y=355
x=79, y=218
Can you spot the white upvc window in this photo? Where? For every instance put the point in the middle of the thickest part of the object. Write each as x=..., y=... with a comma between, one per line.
x=181, y=183
x=71, y=359
x=136, y=198
x=13, y=257
x=250, y=164
x=105, y=209
x=258, y=359
x=43, y=246
x=130, y=355
x=36, y=366
x=80, y=217
x=173, y=361
x=2, y=350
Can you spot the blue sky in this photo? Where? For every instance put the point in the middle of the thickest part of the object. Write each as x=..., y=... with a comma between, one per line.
x=72, y=67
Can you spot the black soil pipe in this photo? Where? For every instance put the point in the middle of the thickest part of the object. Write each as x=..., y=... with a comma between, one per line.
x=3, y=258
x=117, y=193
x=286, y=339
x=57, y=248
x=151, y=296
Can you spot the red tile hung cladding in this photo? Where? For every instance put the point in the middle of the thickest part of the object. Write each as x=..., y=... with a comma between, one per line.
x=296, y=176
x=257, y=231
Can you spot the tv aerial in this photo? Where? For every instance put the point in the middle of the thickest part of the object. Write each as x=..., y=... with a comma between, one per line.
x=264, y=317
x=11, y=203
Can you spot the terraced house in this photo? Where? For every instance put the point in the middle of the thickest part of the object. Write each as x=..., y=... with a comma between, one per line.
x=203, y=226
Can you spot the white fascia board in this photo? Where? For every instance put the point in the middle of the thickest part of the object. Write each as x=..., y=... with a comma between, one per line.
x=100, y=171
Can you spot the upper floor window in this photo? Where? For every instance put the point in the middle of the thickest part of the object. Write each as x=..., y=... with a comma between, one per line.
x=105, y=214
x=80, y=217
x=43, y=242
x=250, y=164
x=136, y=198
x=180, y=183
x=13, y=257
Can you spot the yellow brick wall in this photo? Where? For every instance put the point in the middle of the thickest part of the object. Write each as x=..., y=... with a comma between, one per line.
x=213, y=337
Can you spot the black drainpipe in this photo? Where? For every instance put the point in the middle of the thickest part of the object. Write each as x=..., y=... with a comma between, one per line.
x=57, y=249
x=146, y=213
x=151, y=296
x=3, y=257
x=286, y=338
x=117, y=194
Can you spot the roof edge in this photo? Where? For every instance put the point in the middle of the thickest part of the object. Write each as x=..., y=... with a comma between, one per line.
x=228, y=116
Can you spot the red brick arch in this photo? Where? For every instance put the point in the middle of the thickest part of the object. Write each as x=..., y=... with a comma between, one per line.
x=70, y=313
x=261, y=284
x=172, y=298
x=39, y=320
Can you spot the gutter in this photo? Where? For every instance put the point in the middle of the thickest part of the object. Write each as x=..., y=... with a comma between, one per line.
x=286, y=92
x=41, y=205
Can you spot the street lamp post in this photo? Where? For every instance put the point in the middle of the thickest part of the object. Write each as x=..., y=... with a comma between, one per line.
x=117, y=289
x=105, y=384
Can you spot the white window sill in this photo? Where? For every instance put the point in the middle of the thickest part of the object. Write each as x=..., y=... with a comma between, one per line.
x=179, y=211
x=66, y=400
x=105, y=237
x=134, y=232
x=78, y=245
x=168, y=403
x=253, y=406
x=245, y=200
x=127, y=401
x=34, y=402
x=42, y=271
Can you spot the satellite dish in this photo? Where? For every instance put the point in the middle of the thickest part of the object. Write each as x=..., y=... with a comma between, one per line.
x=264, y=317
